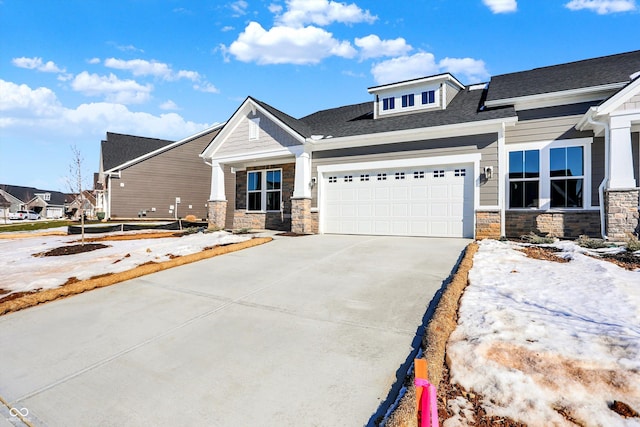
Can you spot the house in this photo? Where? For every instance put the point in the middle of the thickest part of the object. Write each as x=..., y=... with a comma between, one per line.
x=87, y=202
x=49, y=204
x=551, y=150
x=153, y=178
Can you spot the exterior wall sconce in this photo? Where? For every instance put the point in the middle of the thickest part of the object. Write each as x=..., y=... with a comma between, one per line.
x=312, y=183
x=488, y=172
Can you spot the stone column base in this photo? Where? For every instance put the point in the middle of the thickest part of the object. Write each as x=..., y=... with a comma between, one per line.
x=487, y=225
x=621, y=208
x=301, y=221
x=217, y=214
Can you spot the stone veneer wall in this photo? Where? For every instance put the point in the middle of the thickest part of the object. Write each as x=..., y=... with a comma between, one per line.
x=553, y=223
x=488, y=224
x=622, y=213
x=261, y=220
x=217, y=214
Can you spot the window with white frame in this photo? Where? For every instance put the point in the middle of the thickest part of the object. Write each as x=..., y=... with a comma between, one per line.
x=408, y=100
x=388, y=103
x=428, y=97
x=524, y=179
x=264, y=190
x=254, y=128
x=552, y=175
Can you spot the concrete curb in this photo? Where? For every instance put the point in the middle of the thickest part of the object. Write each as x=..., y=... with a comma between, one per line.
x=31, y=300
x=434, y=342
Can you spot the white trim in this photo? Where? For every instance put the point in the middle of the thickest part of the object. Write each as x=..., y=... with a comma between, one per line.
x=440, y=78
x=544, y=178
x=409, y=135
x=613, y=103
x=259, y=155
x=473, y=159
x=263, y=191
x=557, y=98
x=165, y=148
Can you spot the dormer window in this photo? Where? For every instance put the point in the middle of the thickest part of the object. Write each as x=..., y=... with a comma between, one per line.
x=408, y=100
x=388, y=103
x=428, y=97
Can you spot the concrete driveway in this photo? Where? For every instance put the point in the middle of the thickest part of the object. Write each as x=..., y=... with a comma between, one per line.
x=302, y=331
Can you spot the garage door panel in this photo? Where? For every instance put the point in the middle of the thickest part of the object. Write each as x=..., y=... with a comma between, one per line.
x=435, y=201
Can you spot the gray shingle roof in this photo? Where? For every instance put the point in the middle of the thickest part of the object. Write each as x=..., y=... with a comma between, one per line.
x=574, y=75
x=25, y=194
x=358, y=119
x=118, y=148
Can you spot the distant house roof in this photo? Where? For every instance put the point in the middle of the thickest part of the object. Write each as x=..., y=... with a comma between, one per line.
x=4, y=203
x=119, y=149
x=594, y=72
x=27, y=194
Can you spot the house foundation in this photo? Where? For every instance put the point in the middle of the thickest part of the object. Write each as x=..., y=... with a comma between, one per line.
x=622, y=213
x=569, y=224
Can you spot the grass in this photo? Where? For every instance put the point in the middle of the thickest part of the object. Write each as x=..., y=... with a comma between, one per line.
x=33, y=225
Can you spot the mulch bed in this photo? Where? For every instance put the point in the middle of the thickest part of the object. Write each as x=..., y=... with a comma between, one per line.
x=72, y=249
x=544, y=253
x=626, y=260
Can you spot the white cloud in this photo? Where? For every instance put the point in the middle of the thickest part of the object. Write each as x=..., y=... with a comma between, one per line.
x=227, y=28
x=424, y=64
x=372, y=47
x=27, y=112
x=322, y=12
x=602, y=7
x=287, y=45
x=206, y=87
x=169, y=105
x=239, y=7
x=501, y=6
x=474, y=70
x=126, y=48
x=112, y=88
x=275, y=8
x=142, y=67
x=94, y=61
x=37, y=64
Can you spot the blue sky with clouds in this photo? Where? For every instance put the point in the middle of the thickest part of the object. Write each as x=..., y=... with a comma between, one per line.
x=72, y=70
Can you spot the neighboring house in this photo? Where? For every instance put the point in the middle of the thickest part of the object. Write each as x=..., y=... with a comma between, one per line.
x=4, y=208
x=88, y=201
x=15, y=204
x=552, y=150
x=49, y=204
x=153, y=178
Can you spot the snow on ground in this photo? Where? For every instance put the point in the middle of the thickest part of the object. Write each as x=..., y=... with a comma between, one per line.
x=21, y=271
x=539, y=338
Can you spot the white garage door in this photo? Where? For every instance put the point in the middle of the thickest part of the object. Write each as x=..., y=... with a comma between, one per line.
x=434, y=201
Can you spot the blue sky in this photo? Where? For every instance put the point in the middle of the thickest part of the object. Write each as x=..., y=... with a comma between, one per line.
x=72, y=70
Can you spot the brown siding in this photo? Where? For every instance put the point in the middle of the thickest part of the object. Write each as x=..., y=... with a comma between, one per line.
x=157, y=181
x=486, y=145
x=548, y=129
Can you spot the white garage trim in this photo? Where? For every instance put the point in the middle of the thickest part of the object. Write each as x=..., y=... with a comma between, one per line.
x=470, y=159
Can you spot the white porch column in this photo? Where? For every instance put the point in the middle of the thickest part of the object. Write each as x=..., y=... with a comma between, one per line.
x=301, y=187
x=621, y=159
x=217, y=183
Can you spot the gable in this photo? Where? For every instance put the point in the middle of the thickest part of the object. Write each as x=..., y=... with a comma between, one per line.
x=267, y=136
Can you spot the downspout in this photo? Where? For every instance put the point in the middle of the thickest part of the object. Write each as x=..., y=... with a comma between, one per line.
x=605, y=180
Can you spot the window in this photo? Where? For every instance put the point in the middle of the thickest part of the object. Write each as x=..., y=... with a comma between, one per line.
x=399, y=175
x=348, y=178
x=264, y=190
x=418, y=175
x=388, y=103
x=333, y=179
x=566, y=173
x=364, y=177
x=254, y=128
x=408, y=100
x=524, y=179
x=429, y=97
x=554, y=175
x=382, y=177
x=460, y=172
x=438, y=174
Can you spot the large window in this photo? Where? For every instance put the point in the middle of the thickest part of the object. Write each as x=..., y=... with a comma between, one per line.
x=524, y=179
x=551, y=175
x=567, y=177
x=264, y=190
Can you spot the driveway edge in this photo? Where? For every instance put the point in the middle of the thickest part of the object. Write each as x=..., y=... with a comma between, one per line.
x=441, y=325
x=48, y=295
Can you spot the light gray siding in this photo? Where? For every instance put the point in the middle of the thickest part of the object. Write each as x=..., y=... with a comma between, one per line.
x=271, y=136
x=486, y=145
x=157, y=181
x=452, y=91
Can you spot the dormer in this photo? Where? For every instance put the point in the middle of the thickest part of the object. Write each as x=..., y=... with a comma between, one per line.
x=414, y=96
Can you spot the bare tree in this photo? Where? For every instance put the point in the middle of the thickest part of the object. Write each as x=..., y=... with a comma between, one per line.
x=75, y=182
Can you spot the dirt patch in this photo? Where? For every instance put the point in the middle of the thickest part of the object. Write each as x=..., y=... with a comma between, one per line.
x=626, y=260
x=16, y=301
x=136, y=236
x=291, y=234
x=72, y=250
x=623, y=409
x=543, y=253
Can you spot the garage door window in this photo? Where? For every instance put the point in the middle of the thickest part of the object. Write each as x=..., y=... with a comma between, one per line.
x=264, y=190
